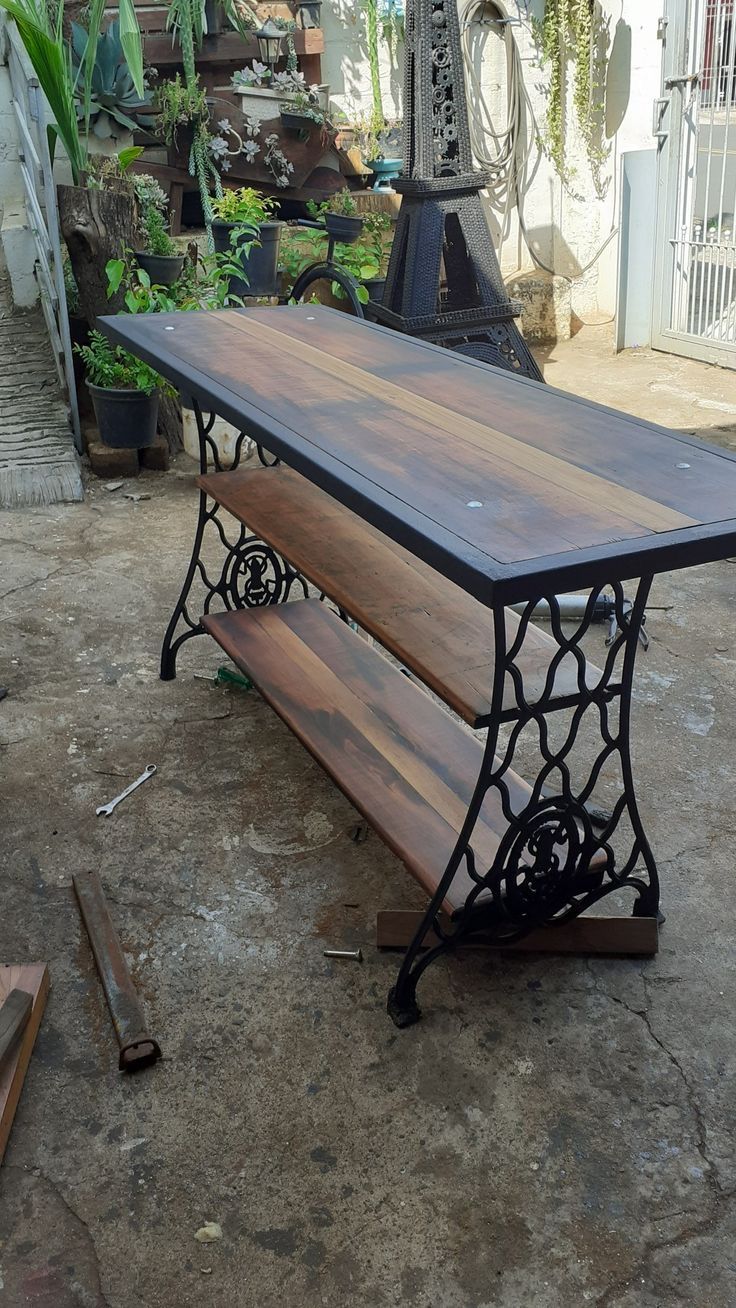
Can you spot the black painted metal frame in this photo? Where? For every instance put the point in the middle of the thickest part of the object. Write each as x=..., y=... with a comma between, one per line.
x=555, y=860
x=251, y=574
x=326, y=270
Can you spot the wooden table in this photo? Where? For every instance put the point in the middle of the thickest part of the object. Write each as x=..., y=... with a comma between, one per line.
x=422, y=493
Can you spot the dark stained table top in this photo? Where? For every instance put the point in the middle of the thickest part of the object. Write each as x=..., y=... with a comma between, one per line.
x=508, y=487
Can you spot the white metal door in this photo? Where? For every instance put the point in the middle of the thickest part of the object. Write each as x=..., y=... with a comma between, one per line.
x=695, y=121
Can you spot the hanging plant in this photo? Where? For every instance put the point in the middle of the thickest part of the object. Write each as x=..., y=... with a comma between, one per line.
x=377, y=118
x=574, y=32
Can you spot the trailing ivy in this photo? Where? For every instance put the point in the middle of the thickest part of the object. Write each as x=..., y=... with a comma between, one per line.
x=185, y=18
x=575, y=32
x=377, y=120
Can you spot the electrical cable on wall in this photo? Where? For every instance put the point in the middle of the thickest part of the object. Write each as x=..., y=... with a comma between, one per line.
x=506, y=152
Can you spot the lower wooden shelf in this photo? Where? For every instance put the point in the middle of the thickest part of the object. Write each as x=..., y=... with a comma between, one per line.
x=404, y=763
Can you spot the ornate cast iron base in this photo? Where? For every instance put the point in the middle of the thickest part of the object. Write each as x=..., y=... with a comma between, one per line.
x=250, y=574
x=559, y=854
x=555, y=860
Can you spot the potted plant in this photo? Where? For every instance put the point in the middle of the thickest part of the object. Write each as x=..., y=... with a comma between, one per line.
x=341, y=217
x=377, y=226
x=125, y=393
x=259, y=88
x=160, y=259
x=244, y=227
x=302, y=110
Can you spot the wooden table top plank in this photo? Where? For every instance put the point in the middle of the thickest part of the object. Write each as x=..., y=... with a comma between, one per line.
x=408, y=436
x=511, y=452
x=516, y=521
x=604, y=441
x=403, y=447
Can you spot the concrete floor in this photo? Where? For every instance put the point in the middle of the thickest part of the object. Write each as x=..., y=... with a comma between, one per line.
x=555, y=1132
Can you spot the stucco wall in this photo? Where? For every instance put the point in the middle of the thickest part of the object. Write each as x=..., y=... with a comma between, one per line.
x=567, y=225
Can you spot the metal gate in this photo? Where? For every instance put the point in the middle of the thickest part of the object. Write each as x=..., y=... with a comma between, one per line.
x=40, y=194
x=695, y=122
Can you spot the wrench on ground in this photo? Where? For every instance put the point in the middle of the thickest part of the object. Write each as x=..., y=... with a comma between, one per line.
x=108, y=808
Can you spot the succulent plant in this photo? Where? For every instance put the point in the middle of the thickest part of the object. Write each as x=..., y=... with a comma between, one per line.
x=114, y=99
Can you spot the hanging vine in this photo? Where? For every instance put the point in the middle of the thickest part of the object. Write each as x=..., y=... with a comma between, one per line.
x=185, y=17
x=575, y=32
x=377, y=120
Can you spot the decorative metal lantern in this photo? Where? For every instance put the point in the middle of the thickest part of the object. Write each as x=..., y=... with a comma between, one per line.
x=270, y=39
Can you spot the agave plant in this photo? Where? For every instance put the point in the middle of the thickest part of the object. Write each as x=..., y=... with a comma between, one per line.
x=112, y=94
x=40, y=26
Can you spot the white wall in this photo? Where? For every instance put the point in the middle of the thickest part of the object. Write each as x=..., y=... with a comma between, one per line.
x=345, y=61
x=567, y=225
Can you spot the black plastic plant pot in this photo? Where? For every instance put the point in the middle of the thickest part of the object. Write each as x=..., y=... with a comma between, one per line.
x=260, y=263
x=343, y=228
x=299, y=123
x=126, y=418
x=163, y=269
x=375, y=287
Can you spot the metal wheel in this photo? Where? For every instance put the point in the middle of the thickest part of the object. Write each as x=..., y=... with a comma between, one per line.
x=327, y=272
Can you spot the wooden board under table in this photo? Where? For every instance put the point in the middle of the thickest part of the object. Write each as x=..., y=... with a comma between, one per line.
x=407, y=766
x=437, y=630
x=505, y=486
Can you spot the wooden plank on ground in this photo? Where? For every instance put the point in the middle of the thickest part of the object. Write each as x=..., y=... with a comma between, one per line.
x=34, y=979
x=395, y=929
x=14, y=1013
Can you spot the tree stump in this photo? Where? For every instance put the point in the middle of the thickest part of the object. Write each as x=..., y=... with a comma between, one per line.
x=99, y=225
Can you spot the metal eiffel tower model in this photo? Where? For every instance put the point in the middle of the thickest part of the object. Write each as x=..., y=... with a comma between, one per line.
x=441, y=223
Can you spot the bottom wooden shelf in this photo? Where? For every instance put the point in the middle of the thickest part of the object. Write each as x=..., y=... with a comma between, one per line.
x=406, y=765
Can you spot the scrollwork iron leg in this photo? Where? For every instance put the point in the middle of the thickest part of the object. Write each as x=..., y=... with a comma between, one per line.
x=552, y=862
x=251, y=574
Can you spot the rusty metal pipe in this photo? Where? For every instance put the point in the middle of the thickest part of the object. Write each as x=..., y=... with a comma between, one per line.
x=137, y=1047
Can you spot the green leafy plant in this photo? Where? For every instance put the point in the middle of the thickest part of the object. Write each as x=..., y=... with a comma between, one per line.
x=179, y=105
x=140, y=295
x=574, y=32
x=111, y=172
x=362, y=259
x=40, y=27
x=246, y=206
x=186, y=20
x=71, y=289
x=306, y=104
x=158, y=240
x=377, y=118
x=376, y=227
x=113, y=367
x=112, y=98
x=204, y=284
x=342, y=202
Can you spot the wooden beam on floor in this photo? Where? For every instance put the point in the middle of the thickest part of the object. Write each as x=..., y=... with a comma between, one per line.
x=395, y=929
x=33, y=978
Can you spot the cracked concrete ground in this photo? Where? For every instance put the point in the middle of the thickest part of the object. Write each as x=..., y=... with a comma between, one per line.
x=555, y=1132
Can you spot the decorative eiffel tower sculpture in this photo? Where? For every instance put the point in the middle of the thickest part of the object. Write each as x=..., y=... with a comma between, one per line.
x=441, y=221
